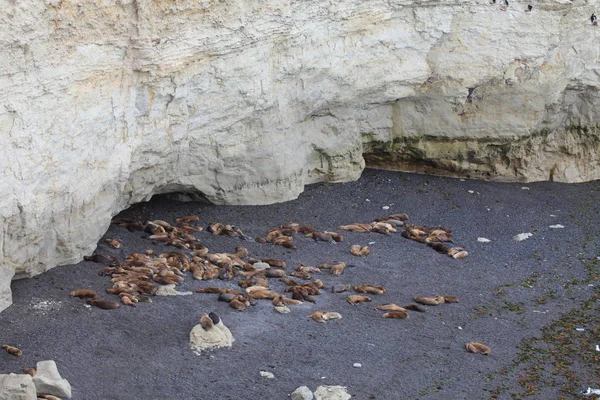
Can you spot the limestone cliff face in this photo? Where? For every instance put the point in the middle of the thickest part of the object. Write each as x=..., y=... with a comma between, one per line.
x=104, y=103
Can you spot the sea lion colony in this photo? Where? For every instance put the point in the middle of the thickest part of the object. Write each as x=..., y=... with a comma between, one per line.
x=138, y=277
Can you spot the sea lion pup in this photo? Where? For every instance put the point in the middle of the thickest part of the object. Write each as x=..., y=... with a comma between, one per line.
x=320, y=237
x=15, y=351
x=206, y=322
x=451, y=299
x=102, y=258
x=414, y=307
x=128, y=299
x=302, y=275
x=399, y=314
x=114, y=243
x=29, y=371
x=594, y=20
x=337, y=269
x=478, y=348
x=322, y=316
x=210, y=289
x=389, y=307
x=457, y=252
x=439, y=247
x=356, y=227
x=103, y=304
x=358, y=250
x=189, y=218
x=47, y=397
x=370, y=289
x=430, y=301
x=84, y=294
x=355, y=299
x=382, y=227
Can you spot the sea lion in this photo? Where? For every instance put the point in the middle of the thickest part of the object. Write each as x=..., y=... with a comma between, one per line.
x=356, y=299
x=478, y=348
x=206, y=322
x=15, y=351
x=322, y=316
x=29, y=371
x=358, y=250
x=102, y=258
x=370, y=289
x=451, y=299
x=84, y=294
x=430, y=301
x=389, y=307
x=399, y=314
x=103, y=304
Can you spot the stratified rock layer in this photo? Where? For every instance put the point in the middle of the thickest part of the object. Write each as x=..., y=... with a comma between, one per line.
x=104, y=104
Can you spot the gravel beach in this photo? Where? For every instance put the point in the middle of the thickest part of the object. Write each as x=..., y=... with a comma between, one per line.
x=524, y=299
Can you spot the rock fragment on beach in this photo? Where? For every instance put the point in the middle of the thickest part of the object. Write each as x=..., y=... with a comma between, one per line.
x=17, y=387
x=557, y=226
x=169, y=290
x=483, y=240
x=331, y=393
x=522, y=236
x=302, y=393
x=47, y=380
x=209, y=334
x=266, y=374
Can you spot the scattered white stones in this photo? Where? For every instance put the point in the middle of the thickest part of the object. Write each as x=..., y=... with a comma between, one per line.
x=169, y=290
x=43, y=306
x=557, y=226
x=522, y=236
x=302, y=393
x=216, y=336
x=357, y=365
x=483, y=240
x=47, y=380
x=266, y=374
x=322, y=393
x=17, y=387
x=331, y=393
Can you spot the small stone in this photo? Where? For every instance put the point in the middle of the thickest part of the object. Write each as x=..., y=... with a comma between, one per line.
x=302, y=393
x=385, y=208
x=367, y=200
x=261, y=266
x=372, y=243
x=471, y=191
x=283, y=309
x=524, y=188
x=460, y=327
x=522, y=236
x=267, y=375
x=580, y=329
x=557, y=226
x=483, y=240
x=331, y=393
x=47, y=380
x=597, y=348
x=17, y=387
x=357, y=365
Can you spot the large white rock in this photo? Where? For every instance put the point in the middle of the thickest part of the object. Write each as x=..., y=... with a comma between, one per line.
x=17, y=387
x=47, y=380
x=302, y=393
x=217, y=336
x=331, y=393
x=245, y=102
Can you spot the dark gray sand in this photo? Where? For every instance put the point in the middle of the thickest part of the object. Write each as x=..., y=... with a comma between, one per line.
x=523, y=299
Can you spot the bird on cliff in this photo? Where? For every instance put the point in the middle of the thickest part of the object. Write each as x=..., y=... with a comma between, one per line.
x=593, y=19
x=529, y=7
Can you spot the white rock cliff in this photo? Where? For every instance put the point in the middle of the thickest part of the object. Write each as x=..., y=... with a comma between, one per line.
x=104, y=103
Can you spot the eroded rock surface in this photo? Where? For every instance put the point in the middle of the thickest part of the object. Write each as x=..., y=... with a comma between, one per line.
x=245, y=102
x=17, y=387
